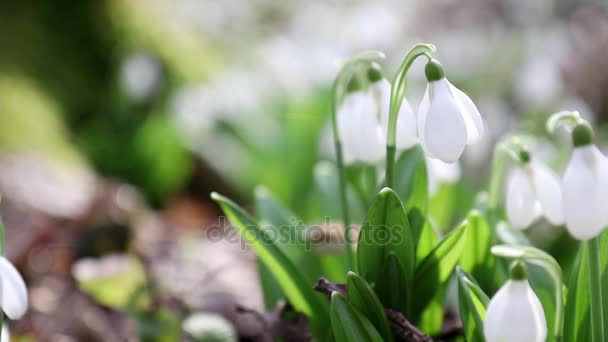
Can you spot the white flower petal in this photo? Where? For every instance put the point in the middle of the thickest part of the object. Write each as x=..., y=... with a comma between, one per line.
x=515, y=314
x=585, y=192
x=521, y=202
x=471, y=115
x=407, y=135
x=423, y=110
x=359, y=129
x=14, y=293
x=548, y=192
x=445, y=132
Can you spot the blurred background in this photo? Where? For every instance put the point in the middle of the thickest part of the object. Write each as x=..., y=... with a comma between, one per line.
x=119, y=117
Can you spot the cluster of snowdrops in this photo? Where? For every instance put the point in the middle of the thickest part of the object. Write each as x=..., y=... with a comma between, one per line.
x=373, y=122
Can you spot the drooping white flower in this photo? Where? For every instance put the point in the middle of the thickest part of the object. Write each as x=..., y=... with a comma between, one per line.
x=359, y=128
x=515, y=314
x=13, y=300
x=448, y=120
x=406, y=120
x=439, y=172
x=363, y=121
x=585, y=187
x=533, y=190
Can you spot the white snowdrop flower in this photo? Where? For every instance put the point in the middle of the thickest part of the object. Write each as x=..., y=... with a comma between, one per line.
x=14, y=300
x=406, y=120
x=533, y=190
x=439, y=173
x=585, y=187
x=359, y=127
x=141, y=76
x=447, y=118
x=515, y=314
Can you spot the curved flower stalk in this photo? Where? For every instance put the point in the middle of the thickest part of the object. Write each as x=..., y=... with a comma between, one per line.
x=448, y=120
x=339, y=90
x=515, y=313
x=532, y=190
x=439, y=173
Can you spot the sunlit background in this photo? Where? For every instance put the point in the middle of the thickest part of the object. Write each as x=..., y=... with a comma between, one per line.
x=118, y=117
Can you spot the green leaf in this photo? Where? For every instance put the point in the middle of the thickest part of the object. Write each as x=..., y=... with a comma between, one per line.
x=472, y=303
x=411, y=184
x=548, y=289
x=429, y=238
x=434, y=271
x=365, y=300
x=348, y=324
x=577, y=324
x=476, y=258
x=288, y=231
x=386, y=231
x=298, y=290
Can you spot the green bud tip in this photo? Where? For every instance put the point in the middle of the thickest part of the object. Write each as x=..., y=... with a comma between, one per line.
x=518, y=270
x=582, y=134
x=433, y=70
x=354, y=85
x=374, y=73
x=524, y=156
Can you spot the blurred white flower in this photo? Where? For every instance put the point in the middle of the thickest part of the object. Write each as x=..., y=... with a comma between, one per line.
x=533, y=190
x=585, y=192
x=447, y=119
x=406, y=121
x=14, y=300
x=209, y=327
x=515, y=314
x=439, y=173
x=141, y=75
x=359, y=129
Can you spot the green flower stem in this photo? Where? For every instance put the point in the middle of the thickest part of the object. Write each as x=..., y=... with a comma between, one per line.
x=338, y=91
x=496, y=177
x=398, y=85
x=595, y=282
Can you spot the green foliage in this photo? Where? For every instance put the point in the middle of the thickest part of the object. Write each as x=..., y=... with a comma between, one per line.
x=385, y=254
x=363, y=298
x=293, y=283
x=435, y=269
x=472, y=303
x=350, y=325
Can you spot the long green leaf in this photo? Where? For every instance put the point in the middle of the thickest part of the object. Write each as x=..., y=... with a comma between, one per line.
x=386, y=231
x=476, y=258
x=434, y=271
x=289, y=232
x=365, y=300
x=348, y=324
x=295, y=286
x=412, y=186
x=472, y=303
